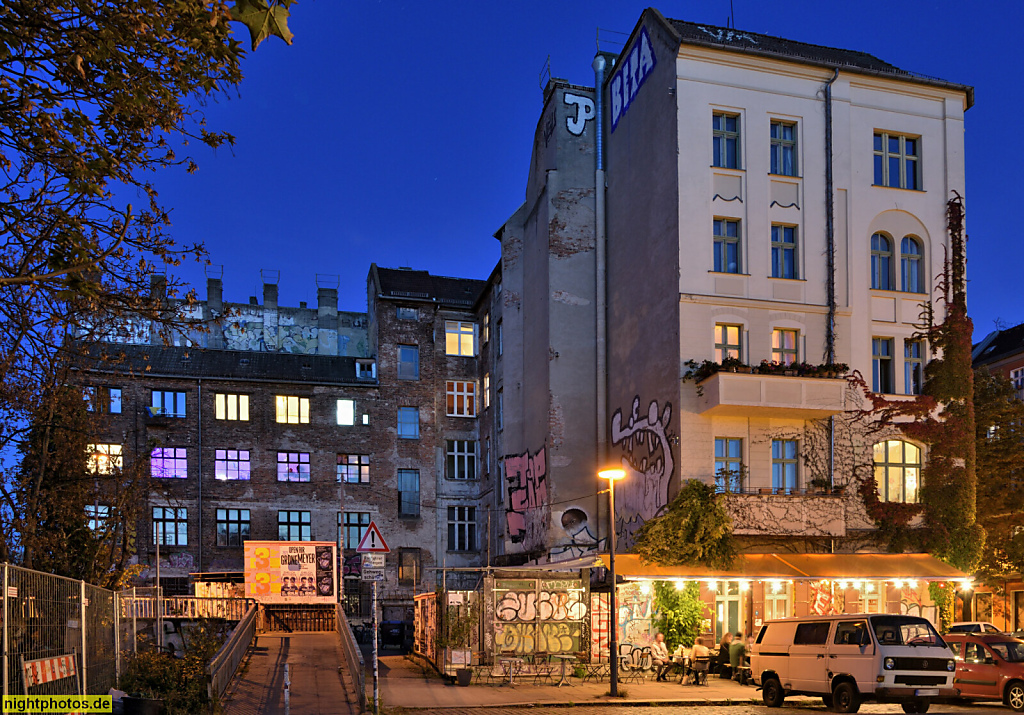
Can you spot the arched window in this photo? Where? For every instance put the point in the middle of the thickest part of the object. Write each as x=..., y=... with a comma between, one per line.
x=881, y=262
x=898, y=471
x=910, y=265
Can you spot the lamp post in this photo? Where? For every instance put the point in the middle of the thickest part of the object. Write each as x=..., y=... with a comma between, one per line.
x=612, y=475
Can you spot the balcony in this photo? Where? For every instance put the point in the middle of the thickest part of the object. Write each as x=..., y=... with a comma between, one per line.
x=787, y=514
x=737, y=394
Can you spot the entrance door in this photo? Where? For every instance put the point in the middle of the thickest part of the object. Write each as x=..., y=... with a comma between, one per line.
x=728, y=610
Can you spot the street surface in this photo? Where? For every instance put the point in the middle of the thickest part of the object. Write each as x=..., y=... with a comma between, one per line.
x=695, y=709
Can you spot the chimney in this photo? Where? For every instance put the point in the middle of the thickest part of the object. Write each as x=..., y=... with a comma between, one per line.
x=327, y=314
x=214, y=294
x=270, y=332
x=158, y=286
x=269, y=296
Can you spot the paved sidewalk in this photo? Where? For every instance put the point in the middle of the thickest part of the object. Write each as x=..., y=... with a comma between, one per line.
x=317, y=685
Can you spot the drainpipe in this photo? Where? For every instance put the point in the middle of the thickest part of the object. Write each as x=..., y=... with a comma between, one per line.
x=830, y=252
x=600, y=287
x=199, y=412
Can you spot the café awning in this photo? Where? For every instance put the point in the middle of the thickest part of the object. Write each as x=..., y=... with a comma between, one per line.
x=794, y=567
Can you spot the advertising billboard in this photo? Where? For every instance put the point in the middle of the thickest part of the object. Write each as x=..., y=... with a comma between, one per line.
x=291, y=571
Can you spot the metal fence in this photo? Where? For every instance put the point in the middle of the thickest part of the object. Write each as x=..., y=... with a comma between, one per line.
x=47, y=616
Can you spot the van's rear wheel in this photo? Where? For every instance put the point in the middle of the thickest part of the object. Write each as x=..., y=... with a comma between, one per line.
x=916, y=706
x=772, y=692
x=845, y=698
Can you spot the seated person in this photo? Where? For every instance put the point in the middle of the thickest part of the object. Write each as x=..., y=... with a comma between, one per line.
x=659, y=656
x=722, y=666
x=737, y=653
x=700, y=650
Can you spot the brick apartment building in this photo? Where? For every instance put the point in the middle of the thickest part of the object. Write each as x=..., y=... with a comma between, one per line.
x=1002, y=352
x=307, y=424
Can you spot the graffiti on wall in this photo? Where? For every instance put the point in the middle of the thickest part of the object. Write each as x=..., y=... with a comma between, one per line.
x=584, y=112
x=647, y=459
x=635, y=615
x=823, y=599
x=528, y=512
x=582, y=539
x=352, y=566
x=539, y=616
x=599, y=622
x=912, y=603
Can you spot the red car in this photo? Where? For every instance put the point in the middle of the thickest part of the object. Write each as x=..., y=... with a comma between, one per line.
x=989, y=667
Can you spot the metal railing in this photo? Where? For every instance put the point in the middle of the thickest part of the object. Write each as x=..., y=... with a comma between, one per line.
x=353, y=657
x=188, y=607
x=222, y=668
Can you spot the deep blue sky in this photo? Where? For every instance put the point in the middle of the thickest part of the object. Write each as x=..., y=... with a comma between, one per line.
x=400, y=133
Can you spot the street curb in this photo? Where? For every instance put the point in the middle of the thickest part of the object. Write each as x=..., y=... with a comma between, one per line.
x=595, y=703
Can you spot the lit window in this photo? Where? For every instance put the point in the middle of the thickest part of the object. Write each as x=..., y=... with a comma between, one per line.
x=293, y=466
x=897, y=471
x=881, y=262
x=292, y=410
x=346, y=412
x=170, y=526
x=104, y=458
x=408, y=492
x=354, y=468
x=409, y=422
x=487, y=390
x=168, y=404
x=353, y=526
x=293, y=526
x=408, y=362
x=461, y=398
x=168, y=463
x=231, y=464
x=232, y=527
x=784, y=346
x=725, y=132
x=727, y=246
x=727, y=341
x=460, y=338
x=783, y=251
x=462, y=528
x=728, y=464
x=896, y=161
x=783, y=141
x=461, y=461
x=231, y=407
x=408, y=567
x=784, y=465
x=913, y=367
x=910, y=265
x=882, y=379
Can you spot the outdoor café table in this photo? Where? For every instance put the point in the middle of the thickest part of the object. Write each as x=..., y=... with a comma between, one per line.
x=512, y=666
x=564, y=680
x=681, y=663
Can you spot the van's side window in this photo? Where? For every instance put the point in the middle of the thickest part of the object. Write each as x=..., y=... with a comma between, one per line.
x=812, y=633
x=760, y=636
x=851, y=633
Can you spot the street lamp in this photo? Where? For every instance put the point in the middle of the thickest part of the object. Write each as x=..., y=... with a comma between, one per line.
x=612, y=475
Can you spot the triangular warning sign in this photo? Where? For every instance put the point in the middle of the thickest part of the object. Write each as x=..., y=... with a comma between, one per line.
x=372, y=542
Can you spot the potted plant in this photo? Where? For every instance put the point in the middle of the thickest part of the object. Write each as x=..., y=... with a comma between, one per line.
x=820, y=485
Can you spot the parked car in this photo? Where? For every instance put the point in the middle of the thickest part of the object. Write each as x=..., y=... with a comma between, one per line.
x=974, y=627
x=989, y=667
x=848, y=658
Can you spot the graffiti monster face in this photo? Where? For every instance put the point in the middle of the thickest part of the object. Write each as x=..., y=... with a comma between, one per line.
x=647, y=459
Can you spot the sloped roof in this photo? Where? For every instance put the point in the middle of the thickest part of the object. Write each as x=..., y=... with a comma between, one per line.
x=173, y=361
x=694, y=33
x=420, y=285
x=998, y=345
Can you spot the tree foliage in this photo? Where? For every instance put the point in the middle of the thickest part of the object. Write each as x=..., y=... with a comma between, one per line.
x=678, y=612
x=95, y=96
x=694, y=530
x=999, y=417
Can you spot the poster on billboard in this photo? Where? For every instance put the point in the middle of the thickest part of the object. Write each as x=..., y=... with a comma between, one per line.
x=291, y=571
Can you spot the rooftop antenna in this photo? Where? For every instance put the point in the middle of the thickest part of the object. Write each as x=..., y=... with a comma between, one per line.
x=732, y=16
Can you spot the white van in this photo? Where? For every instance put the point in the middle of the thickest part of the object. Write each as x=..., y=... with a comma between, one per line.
x=852, y=657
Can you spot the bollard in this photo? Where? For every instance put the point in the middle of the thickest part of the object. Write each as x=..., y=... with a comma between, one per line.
x=287, y=688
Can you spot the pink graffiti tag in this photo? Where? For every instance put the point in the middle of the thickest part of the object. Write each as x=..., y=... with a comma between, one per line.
x=528, y=497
